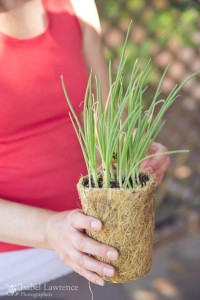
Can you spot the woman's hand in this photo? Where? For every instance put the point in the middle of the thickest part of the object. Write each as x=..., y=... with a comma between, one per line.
x=65, y=233
x=157, y=164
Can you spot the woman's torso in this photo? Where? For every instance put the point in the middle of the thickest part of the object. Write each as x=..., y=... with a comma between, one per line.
x=40, y=157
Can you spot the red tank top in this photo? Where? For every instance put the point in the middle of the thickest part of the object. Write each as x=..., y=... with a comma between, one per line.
x=40, y=157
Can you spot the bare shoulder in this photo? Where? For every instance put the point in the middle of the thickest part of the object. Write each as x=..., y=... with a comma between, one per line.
x=87, y=13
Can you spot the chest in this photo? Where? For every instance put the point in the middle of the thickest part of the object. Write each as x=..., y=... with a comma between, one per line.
x=30, y=87
x=25, y=20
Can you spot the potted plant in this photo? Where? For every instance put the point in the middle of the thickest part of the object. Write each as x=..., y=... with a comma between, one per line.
x=116, y=192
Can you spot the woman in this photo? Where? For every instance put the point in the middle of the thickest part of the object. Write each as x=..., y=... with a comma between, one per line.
x=41, y=223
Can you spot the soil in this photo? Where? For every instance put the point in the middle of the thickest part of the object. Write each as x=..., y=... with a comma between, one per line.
x=143, y=178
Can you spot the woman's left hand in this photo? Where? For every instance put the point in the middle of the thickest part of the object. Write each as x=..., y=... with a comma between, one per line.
x=156, y=164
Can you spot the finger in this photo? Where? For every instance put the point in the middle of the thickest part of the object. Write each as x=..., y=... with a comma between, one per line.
x=90, y=276
x=157, y=162
x=163, y=167
x=159, y=174
x=158, y=147
x=87, y=245
x=79, y=221
x=72, y=260
x=152, y=150
x=91, y=264
x=145, y=166
x=159, y=178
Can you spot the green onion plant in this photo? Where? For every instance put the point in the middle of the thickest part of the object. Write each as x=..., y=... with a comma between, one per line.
x=104, y=133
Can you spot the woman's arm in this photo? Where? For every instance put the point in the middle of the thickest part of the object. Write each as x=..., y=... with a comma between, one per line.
x=62, y=232
x=22, y=224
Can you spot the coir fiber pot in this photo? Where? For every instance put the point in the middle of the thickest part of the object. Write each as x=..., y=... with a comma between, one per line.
x=128, y=217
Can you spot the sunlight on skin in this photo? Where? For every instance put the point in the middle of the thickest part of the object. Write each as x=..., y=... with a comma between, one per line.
x=87, y=12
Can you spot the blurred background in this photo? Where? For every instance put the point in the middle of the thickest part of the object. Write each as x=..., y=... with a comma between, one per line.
x=168, y=32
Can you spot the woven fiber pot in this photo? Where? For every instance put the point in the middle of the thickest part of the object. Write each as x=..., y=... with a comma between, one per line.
x=128, y=217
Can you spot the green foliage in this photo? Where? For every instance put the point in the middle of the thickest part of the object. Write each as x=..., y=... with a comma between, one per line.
x=185, y=4
x=104, y=131
x=161, y=21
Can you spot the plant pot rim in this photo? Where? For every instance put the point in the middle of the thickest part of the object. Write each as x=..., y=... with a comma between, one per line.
x=150, y=184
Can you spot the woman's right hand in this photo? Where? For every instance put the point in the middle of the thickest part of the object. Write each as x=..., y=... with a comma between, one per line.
x=65, y=233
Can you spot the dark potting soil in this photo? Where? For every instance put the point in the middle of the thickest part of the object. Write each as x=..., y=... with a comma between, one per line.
x=143, y=178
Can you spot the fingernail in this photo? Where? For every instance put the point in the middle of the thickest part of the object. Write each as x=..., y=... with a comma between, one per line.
x=108, y=271
x=100, y=282
x=112, y=254
x=95, y=225
x=149, y=170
